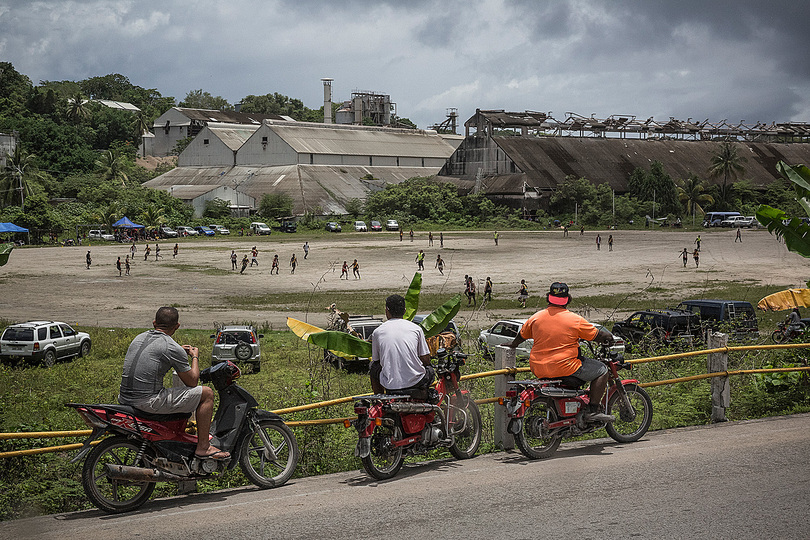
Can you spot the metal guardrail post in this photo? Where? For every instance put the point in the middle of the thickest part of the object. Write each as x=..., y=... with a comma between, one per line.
x=504, y=358
x=717, y=363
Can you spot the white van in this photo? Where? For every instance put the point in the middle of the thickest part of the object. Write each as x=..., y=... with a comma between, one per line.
x=257, y=227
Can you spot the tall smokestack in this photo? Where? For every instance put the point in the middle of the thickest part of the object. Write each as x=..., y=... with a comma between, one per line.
x=327, y=100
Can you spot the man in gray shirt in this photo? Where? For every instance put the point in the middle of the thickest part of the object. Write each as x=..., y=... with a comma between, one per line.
x=150, y=356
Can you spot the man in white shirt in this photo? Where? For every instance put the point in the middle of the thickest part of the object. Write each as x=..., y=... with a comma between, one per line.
x=400, y=357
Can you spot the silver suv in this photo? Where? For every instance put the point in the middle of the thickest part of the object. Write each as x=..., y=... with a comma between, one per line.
x=237, y=344
x=43, y=341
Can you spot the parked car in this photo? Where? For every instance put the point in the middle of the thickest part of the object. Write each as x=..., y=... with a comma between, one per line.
x=391, y=225
x=237, y=344
x=503, y=332
x=183, y=230
x=95, y=234
x=167, y=232
x=43, y=341
x=360, y=226
x=747, y=222
x=376, y=226
x=257, y=227
x=661, y=325
x=715, y=219
x=219, y=229
x=333, y=226
x=733, y=221
x=204, y=231
x=288, y=226
x=739, y=315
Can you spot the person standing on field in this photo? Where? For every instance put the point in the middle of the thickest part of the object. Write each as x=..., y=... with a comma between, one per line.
x=488, y=289
x=274, y=265
x=234, y=258
x=685, y=255
x=598, y=242
x=430, y=238
x=696, y=256
x=146, y=252
x=739, y=235
x=293, y=263
x=355, y=269
x=420, y=260
x=254, y=254
x=176, y=249
x=306, y=249
x=496, y=238
x=87, y=259
x=440, y=264
x=441, y=239
x=127, y=265
x=697, y=242
x=244, y=264
x=610, y=243
x=118, y=266
x=157, y=252
x=523, y=293
x=345, y=270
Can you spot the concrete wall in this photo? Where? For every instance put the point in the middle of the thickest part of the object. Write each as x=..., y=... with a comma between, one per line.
x=199, y=154
x=166, y=137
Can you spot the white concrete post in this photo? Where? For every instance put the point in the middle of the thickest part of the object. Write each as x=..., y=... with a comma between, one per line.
x=504, y=358
x=718, y=362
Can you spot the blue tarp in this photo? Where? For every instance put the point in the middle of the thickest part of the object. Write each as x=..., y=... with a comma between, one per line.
x=10, y=227
x=127, y=224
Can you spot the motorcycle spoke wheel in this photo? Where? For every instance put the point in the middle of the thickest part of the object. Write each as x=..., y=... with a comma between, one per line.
x=385, y=459
x=468, y=419
x=114, y=496
x=627, y=428
x=273, y=464
x=534, y=439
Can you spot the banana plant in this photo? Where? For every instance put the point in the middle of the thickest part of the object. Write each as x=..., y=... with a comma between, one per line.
x=794, y=230
x=347, y=346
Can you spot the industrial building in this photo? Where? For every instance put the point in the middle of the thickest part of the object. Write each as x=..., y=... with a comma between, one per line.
x=320, y=166
x=520, y=158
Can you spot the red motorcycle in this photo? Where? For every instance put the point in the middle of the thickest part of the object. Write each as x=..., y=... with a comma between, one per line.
x=392, y=426
x=120, y=471
x=543, y=412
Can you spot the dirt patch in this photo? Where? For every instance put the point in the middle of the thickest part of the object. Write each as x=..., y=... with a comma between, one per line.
x=53, y=283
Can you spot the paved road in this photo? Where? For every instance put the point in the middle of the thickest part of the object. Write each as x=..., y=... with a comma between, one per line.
x=738, y=480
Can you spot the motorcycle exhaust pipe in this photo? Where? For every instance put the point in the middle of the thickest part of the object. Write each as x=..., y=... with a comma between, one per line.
x=139, y=474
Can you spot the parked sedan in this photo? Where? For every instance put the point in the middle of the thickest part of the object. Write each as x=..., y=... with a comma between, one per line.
x=184, y=230
x=219, y=229
x=360, y=226
x=168, y=232
x=376, y=226
x=391, y=225
x=203, y=230
x=96, y=234
x=333, y=226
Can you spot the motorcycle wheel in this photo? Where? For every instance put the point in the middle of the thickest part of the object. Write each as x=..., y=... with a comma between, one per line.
x=114, y=496
x=269, y=467
x=623, y=429
x=778, y=337
x=385, y=459
x=465, y=444
x=534, y=440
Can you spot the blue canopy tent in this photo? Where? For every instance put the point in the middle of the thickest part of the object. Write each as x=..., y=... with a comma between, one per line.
x=10, y=227
x=5, y=249
x=125, y=223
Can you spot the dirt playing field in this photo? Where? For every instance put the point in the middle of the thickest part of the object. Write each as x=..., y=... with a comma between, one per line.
x=53, y=282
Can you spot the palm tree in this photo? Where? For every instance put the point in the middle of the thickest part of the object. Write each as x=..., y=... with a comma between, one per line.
x=76, y=110
x=726, y=163
x=17, y=176
x=152, y=216
x=112, y=165
x=691, y=193
x=109, y=215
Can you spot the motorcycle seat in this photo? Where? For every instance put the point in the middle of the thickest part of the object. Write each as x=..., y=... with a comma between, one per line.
x=128, y=409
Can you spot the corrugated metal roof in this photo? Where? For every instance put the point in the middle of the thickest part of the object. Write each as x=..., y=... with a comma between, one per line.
x=232, y=136
x=360, y=141
x=326, y=186
x=117, y=105
x=548, y=160
x=233, y=117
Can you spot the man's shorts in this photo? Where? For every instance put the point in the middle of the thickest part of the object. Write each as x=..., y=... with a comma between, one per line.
x=173, y=400
x=590, y=369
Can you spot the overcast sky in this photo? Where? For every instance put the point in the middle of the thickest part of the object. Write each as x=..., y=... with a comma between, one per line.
x=733, y=59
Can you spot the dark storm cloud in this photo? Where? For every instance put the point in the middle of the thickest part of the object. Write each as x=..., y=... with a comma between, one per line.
x=740, y=60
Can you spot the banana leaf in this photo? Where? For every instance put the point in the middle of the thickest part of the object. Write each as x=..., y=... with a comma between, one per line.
x=341, y=343
x=302, y=329
x=440, y=317
x=5, y=251
x=412, y=296
x=795, y=231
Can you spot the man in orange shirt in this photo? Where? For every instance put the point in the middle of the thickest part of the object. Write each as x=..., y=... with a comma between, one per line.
x=555, y=353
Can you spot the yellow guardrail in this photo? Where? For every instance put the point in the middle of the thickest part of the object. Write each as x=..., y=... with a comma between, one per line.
x=492, y=373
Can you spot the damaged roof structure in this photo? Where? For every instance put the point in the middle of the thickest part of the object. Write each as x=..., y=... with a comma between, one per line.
x=521, y=158
x=320, y=166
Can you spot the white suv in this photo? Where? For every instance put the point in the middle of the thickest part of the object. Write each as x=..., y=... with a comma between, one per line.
x=237, y=344
x=43, y=341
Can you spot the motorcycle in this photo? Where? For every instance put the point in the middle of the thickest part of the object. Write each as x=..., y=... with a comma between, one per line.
x=391, y=426
x=785, y=333
x=545, y=411
x=120, y=472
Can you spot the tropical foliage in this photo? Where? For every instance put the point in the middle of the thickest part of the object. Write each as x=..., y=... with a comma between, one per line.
x=795, y=231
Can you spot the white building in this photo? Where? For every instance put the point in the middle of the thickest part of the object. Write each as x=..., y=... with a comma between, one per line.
x=320, y=166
